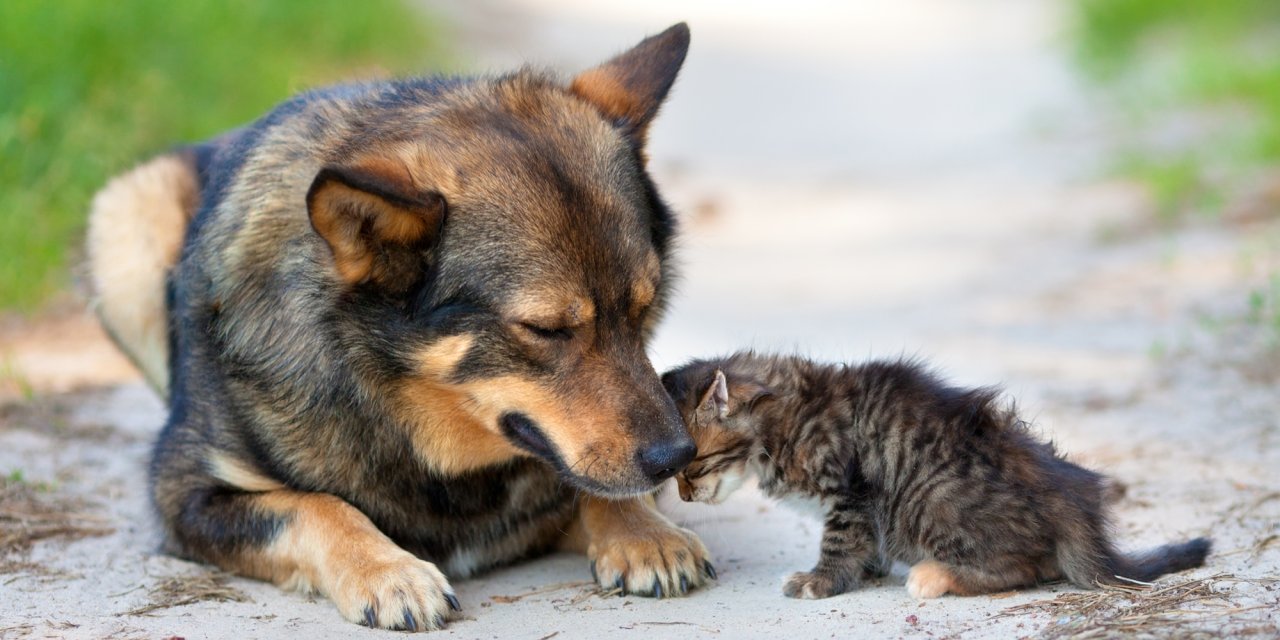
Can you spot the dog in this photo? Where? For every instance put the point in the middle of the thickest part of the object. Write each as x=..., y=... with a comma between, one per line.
x=401, y=330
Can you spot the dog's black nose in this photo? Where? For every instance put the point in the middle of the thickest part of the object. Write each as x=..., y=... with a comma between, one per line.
x=661, y=461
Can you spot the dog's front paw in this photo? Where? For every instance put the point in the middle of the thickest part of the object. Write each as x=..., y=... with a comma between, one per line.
x=814, y=585
x=398, y=591
x=929, y=579
x=658, y=560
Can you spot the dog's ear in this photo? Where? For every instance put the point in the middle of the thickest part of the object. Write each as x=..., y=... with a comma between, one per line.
x=377, y=222
x=629, y=88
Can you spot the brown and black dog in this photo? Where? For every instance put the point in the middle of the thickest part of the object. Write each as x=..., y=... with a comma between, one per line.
x=401, y=327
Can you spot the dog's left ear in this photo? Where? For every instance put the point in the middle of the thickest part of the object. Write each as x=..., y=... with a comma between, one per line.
x=629, y=88
x=377, y=222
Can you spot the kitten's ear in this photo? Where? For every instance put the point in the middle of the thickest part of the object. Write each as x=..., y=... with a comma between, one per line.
x=715, y=400
x=725, y=397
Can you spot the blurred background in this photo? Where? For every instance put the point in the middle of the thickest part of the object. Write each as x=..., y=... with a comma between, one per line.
x=1078, y=199
x=853, y=120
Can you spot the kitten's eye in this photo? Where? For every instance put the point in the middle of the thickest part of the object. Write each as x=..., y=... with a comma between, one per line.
x=557, y=334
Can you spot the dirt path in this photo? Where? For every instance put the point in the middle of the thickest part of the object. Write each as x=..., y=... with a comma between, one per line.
x=911, y=179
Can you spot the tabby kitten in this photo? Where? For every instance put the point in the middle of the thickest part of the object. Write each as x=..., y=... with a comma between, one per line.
x=905, y=468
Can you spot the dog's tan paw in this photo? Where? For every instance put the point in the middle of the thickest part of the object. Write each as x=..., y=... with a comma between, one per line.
x=655, y=560
x=398, y=591
x=814, y=585
x=929, y=579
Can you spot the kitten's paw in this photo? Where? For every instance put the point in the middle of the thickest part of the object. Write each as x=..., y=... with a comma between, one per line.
x=658, y=560
x=875, y=569
x=929, y=579
x=396, y=591
x=813, y=585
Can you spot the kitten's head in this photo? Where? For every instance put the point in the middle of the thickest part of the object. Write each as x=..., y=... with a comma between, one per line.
x=720, y=408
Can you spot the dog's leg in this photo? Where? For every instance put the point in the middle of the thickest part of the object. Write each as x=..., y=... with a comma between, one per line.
x=635, y=548
x=312, y=542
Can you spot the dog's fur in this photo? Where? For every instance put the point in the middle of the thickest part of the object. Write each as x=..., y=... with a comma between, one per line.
x=406, y=335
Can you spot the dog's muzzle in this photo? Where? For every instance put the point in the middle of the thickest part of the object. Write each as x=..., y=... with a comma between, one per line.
x=665, y=459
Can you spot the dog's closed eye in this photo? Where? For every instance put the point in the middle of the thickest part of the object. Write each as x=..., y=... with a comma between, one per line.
x=547, y=333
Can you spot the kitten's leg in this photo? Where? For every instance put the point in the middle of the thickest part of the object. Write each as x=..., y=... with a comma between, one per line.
x=848, y=545
x=930, y=578
x=876, y=567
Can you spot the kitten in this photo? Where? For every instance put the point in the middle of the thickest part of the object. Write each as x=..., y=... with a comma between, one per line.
x=905, y=468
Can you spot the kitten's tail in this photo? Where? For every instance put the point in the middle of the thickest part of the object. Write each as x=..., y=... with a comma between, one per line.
x=1152, y=564
x=1095, y=563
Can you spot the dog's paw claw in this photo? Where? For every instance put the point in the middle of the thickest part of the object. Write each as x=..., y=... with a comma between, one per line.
x=667, y=560
x=453, y=601
x=396, y=591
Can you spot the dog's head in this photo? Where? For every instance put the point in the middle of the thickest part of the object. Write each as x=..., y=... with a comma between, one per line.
x=505, y=243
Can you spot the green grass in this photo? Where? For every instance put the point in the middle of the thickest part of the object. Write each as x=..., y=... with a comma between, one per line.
x=1220, y=58
x=1264, y=306
x=1215, y=58
x=89, y=87
x=18, y=478
x=12, y=377
x=1176, y=183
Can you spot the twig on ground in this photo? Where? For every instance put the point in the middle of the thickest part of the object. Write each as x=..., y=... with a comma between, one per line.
x=177, y=591
x=1180, y=606
x=670, y=623
x=559, y=586
x=28, y=516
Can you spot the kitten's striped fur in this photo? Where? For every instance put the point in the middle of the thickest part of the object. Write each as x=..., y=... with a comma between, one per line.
x=910, y=469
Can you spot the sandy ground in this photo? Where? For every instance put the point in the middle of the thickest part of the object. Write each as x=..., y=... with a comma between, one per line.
x=883, y=178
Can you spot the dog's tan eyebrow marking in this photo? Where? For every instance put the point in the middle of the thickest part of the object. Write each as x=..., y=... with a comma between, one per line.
x=440, y=359
x=551, y=309
x=645, y=287
x=642, y=293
